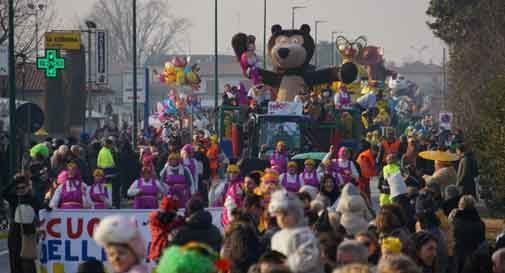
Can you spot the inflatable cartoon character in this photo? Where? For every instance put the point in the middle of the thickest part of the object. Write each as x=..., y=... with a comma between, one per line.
x=245, y=47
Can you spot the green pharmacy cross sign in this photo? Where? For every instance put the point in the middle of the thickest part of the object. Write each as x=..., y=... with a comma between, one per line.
x=51, y=63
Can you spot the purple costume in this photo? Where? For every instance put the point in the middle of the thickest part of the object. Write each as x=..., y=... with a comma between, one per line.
x=280, y=160
x=148, y=199
x=290, y=185
x=310, y=178
x=71, y=199
x=97, y=193
x=178, y=187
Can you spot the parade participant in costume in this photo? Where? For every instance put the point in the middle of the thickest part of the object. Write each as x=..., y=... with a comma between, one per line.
x=178, y=180
x=192, y=258
x=342, y=99
x=290, y=180
x=146, y=190
x=392, y=167
x=279, y=158
x=212, y=155
x=217, y=194
x=73, y=193
x=162, y=223
x=295, y=240
x=245, y=47
x=235, y=197
x=366, y=162
x=123, y=243
x=192, y=164
x=269, y=183
x=98, y=192
x=390, y=145
x=309, y=176
x=343, y=167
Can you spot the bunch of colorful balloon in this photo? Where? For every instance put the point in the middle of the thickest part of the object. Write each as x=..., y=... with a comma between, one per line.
x=176, y=105
x=179, y=72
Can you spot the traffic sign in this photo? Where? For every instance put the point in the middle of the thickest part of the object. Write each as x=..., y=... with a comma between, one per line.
x=141, y=85
x=63, y=39
x=102, y=52
x=51, y=63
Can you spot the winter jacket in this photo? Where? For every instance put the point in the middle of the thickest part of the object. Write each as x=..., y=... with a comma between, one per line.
x=160, y=233
x=467, y=171
x=301, y=248
x=199, y=228
x=469, y=233
x=353, y=210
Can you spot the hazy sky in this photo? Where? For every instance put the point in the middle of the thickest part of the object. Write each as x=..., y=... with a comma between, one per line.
x=399, y=26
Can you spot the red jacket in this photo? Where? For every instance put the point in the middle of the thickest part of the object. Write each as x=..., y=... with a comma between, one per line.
x=160, y=233
x=366, y=163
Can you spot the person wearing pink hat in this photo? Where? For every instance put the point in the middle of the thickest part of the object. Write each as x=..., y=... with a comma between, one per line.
x=72, y=193
x=123, y=243
x=192, y=164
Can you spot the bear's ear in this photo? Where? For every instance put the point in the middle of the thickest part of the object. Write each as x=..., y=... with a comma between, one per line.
x=305, y=29
x=276, y=29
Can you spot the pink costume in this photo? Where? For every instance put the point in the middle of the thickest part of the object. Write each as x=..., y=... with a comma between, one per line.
x=234, y=199
x=279, y=160
x=219, y=202
x=342, y=99
x=291, y=186
x=177, y=183
x=249, y=60
x=148, y=198
x=73, y=198
x=342, y=168
x=310, y=178
x=98, y=193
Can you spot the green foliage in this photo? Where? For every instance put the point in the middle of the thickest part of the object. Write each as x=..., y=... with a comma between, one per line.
x=452, y=18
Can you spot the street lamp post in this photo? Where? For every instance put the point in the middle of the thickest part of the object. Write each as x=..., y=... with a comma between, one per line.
x=265, y=34
x=35, y=13
x=317, y=22
x=12, y=94
x=91, y=26
x=134, y=55
x=293, y=14
x=333, y=47
x=216, y=77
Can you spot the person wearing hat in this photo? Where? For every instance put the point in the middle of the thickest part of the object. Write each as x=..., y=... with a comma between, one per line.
x=309, y=176
x=290, y=180
x=234, y=196
x=123, y=243
x=295, y=240
x=279, y=158
x=178, y=179
x=194, y=166
x=162, y=224
x=98, y=192
x=444, y=174
x=72, y=193
x=146, y=190
x=217, y=193
x=212, y=154
x=192, y=258
x=343, y=168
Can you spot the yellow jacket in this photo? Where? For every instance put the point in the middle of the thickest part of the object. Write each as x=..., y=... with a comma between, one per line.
x=105, y=159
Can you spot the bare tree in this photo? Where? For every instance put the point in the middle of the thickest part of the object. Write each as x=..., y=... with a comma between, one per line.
x=24, y=21
x=157, y=29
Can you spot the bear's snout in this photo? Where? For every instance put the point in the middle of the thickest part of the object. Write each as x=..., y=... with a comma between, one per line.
x=283, y=52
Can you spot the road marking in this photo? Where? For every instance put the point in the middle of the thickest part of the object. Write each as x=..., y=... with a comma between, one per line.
x=4, y=252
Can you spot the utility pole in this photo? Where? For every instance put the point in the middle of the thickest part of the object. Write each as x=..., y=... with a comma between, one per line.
x=444, y=86
x=216, y=77
x=12, y=94
x=265, y=34
x=134, y=51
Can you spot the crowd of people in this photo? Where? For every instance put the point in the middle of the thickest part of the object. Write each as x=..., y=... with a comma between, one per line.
x=295, y=216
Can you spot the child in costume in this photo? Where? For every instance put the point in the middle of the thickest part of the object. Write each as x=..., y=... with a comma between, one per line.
x=192, y=258
x=217, y=193
x=295, y=240
x=343, y=167
x=309, y=176
x=162, y=223
x=178, y=180
x=72, y=193
x=146, y=190
x=234, y=198
x=279, y=158
x=123, y=243
x=290, y=180
x=98, y=192
x=192, y=164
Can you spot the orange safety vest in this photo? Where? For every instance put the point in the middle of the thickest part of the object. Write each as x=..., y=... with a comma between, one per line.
x=390, y=148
